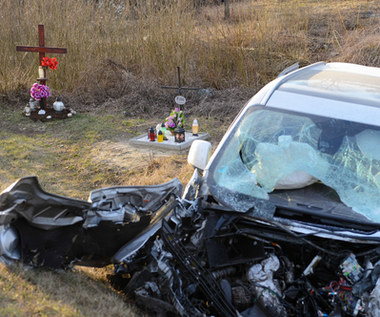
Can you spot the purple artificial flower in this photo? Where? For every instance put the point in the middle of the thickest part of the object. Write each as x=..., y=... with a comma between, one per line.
x=39, y=91
x=176, y=109
x=171, y=125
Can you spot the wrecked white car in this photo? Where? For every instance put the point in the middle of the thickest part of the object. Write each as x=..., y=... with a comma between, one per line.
x=284, y=220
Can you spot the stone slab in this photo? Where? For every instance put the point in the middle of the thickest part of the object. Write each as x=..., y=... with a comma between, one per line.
x=143, y=140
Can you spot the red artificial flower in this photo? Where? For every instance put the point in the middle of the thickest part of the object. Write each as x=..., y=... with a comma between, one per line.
x=49, y=62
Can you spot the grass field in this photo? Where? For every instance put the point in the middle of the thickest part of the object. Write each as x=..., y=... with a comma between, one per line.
x=112, y=42
x=118, y=57
x=71, y=158
x=84, y=292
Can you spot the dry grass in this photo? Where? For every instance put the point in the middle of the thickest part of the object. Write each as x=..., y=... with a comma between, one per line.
x=111, y=44
x=89, y=151
x=362, y=47
x=47, y=293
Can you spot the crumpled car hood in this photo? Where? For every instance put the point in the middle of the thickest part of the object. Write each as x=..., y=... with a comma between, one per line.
x=44, y=229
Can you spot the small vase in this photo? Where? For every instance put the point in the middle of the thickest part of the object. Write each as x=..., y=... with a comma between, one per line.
x=172, y=132
x=42, y=103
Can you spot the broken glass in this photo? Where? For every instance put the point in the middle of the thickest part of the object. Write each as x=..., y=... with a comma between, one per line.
x=271, y=150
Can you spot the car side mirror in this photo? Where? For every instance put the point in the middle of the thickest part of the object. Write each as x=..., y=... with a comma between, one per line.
x=199, y=154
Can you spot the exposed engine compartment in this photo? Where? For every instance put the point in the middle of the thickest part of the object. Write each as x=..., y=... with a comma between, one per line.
x=216, y=263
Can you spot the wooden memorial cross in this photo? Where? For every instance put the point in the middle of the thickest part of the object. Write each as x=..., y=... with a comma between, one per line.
x=41, y=49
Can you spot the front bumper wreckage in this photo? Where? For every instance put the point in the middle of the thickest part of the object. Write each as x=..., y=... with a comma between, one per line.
x=193, y=257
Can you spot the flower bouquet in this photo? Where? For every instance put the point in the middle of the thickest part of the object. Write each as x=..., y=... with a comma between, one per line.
x=174, y=120
x=39, y=91
x=49, y=62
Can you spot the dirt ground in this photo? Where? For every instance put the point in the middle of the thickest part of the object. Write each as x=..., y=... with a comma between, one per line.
x=123, y=154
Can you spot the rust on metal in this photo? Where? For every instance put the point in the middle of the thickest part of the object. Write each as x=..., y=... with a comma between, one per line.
x=41, y=49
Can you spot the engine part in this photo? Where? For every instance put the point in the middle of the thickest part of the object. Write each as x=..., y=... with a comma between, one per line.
x=351, y=269
x=310, y=268
x=368, y=282
x=266, y=288
x=374, y=301
x=225, y=247
x=241, y=296
x=153, y=304
x=189, y=266
x=223, y=273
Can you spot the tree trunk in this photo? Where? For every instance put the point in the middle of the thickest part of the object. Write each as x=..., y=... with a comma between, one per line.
x=198, y=3
x=226, y=9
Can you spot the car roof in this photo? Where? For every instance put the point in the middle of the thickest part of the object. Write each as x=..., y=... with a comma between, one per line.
x=337, y=90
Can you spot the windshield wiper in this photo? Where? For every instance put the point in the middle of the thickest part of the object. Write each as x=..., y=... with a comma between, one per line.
x=316, y=215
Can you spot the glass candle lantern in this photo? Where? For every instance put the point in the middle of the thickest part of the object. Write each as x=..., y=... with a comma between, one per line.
x=42, y=72
x=160, y=136
x=33, y=104
x=163, y=129
x=179, y=135
x=58, y=105
x=195, y=127
x=152, y=134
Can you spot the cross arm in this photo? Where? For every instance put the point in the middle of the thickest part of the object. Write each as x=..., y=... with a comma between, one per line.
x=57, y=50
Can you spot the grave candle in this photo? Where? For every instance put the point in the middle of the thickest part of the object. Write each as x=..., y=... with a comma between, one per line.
x=152, y=134
x=160, y=136
x=42, y=72
x=195, y=127
x=179, y=135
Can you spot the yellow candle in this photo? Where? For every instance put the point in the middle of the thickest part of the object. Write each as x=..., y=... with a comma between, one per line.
x=160, y=136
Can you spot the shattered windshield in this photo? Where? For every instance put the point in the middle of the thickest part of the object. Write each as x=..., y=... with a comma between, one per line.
x=276, y=150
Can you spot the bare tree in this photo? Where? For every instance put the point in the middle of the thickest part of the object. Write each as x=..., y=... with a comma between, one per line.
x=227, y=9
x=199, y=3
